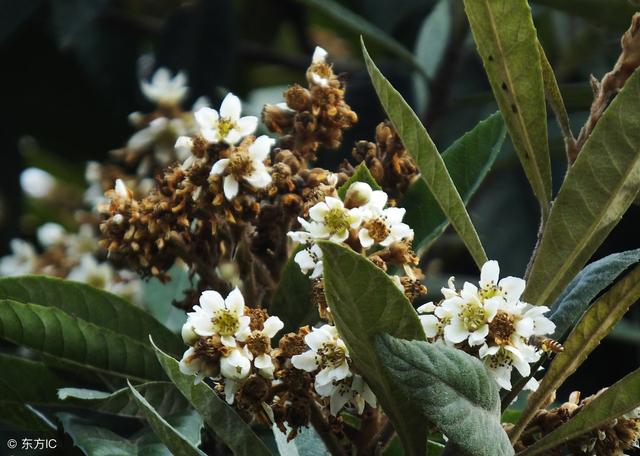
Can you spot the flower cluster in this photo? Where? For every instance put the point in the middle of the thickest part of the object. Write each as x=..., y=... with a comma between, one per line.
x=490, y=321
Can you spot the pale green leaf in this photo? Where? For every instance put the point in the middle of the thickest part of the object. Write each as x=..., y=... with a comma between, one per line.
x=159, y=297
x=163, y=396
x=219, y=416
x=468, y=160
x=618, y=399
x=454, y=391
x=594, y=326
x=52, y=331
x=172, y=438
x=352, y=21
x=306, y=443
x=598, y=189
x=365, y=302
x=432, y=168
x=360, y=174
x=90, y=304
x=508, y=45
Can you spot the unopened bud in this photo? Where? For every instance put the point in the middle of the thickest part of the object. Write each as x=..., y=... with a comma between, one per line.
x=189, y=336
x=358, y=194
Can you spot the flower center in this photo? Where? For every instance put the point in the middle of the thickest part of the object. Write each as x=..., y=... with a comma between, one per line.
x=225, y=323
x=337, y=220
x=377, y=228
x=225, y=125
x=473, y=316
x=240, y=165
x=258, y=344
x=502, y=328
x=331, y=355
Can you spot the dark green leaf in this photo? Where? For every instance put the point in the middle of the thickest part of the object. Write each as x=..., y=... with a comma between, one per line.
x=365, y=302
x=172, y=438
x=613, y=13
x=508, y=45
x=50, y=330
x=27, y=381
x=361, y=174
x=621, y=398
x=432, y=168
x=454, y=391
x=576, y=298
x=221, y=418
x=468, y=160
x=594, y=326
x=163, y=396
x=25, y=418
x=92, y=305
x=598, y=189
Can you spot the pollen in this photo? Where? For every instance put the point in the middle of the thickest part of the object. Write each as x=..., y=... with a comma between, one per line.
x=331, y=355
x=240, y=165
x=377, y=228
x=473, y=316
x=502, y=327
x=225, y=323
x=225, y=125
x=337, y=220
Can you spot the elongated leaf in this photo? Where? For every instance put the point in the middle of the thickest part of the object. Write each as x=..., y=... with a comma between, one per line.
x=163, y=396
x=507, y=43
x=454, y=391
x=221, y=418
x=50, y=330
x=468, y=160
x=432, y=168
x=613, y=13
x=594, y=278
x=292, y=298
x=90, y=304
x=306, y=443
x=358, y=24
x=620, y=398
x=27, y=381
x=361, y=174
x=598, y=189
x=365, y=302
x=25, y=418
x=173, y=439
x=585, y=337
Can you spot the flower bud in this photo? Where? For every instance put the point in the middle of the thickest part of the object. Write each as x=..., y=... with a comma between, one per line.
x=358, y=194
x=188, y=334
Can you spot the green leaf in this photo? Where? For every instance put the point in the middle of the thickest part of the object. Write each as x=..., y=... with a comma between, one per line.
x=292, y=298
x=613, y=13
x=25, y=418
x=92, y=305
x=27, y=381
x=50, y=330
x=365, y=302
x=163, y=396
x=508, y=45
x=433, y=170
x=159, y=297
x=352, y=21
x=454, y=391
x=306, y=443
x=361, y=174
x=172, y=438
x=95, y=440
x=221, y=418
x=468, y=160
x=576, y=298
x=598, y=189
x=599, y=320
x=618, y=399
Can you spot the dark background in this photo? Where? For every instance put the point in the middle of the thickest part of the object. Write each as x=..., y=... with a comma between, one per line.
x=70, y=71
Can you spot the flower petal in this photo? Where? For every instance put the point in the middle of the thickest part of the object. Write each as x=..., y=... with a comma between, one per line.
x=231, y=187
x=231, y=107
x=235, y=302
x=247, y=125
x=261, y=147
x=489, y=273
x=219, y=166
x=206, y=118
x=211, y=301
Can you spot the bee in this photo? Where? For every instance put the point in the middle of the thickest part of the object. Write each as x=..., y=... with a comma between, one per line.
x=546, y=344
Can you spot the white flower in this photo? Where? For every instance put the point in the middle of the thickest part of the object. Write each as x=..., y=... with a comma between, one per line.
x=500, y=360
x=90, y=271
x=183, y=147
x=164, y=89
x=471, y=316
x=37, y=183
x=329, y=220
x=379, y=225
x=224, y=317
x=352, y=390
x=328, y=353
x=226, y=126
x=270, y=328
x=319, y=55
x=310, y=259
x=248, y=166
x=121, y=190
x=434, y=319
x=190, y=364
x=510, y=288
x=21, y=261
x=235, y=367
x=155, y=134
x=50, y=234
x=81, y=243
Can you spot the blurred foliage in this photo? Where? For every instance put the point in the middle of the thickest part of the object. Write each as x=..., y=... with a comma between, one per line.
x=72, y=68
